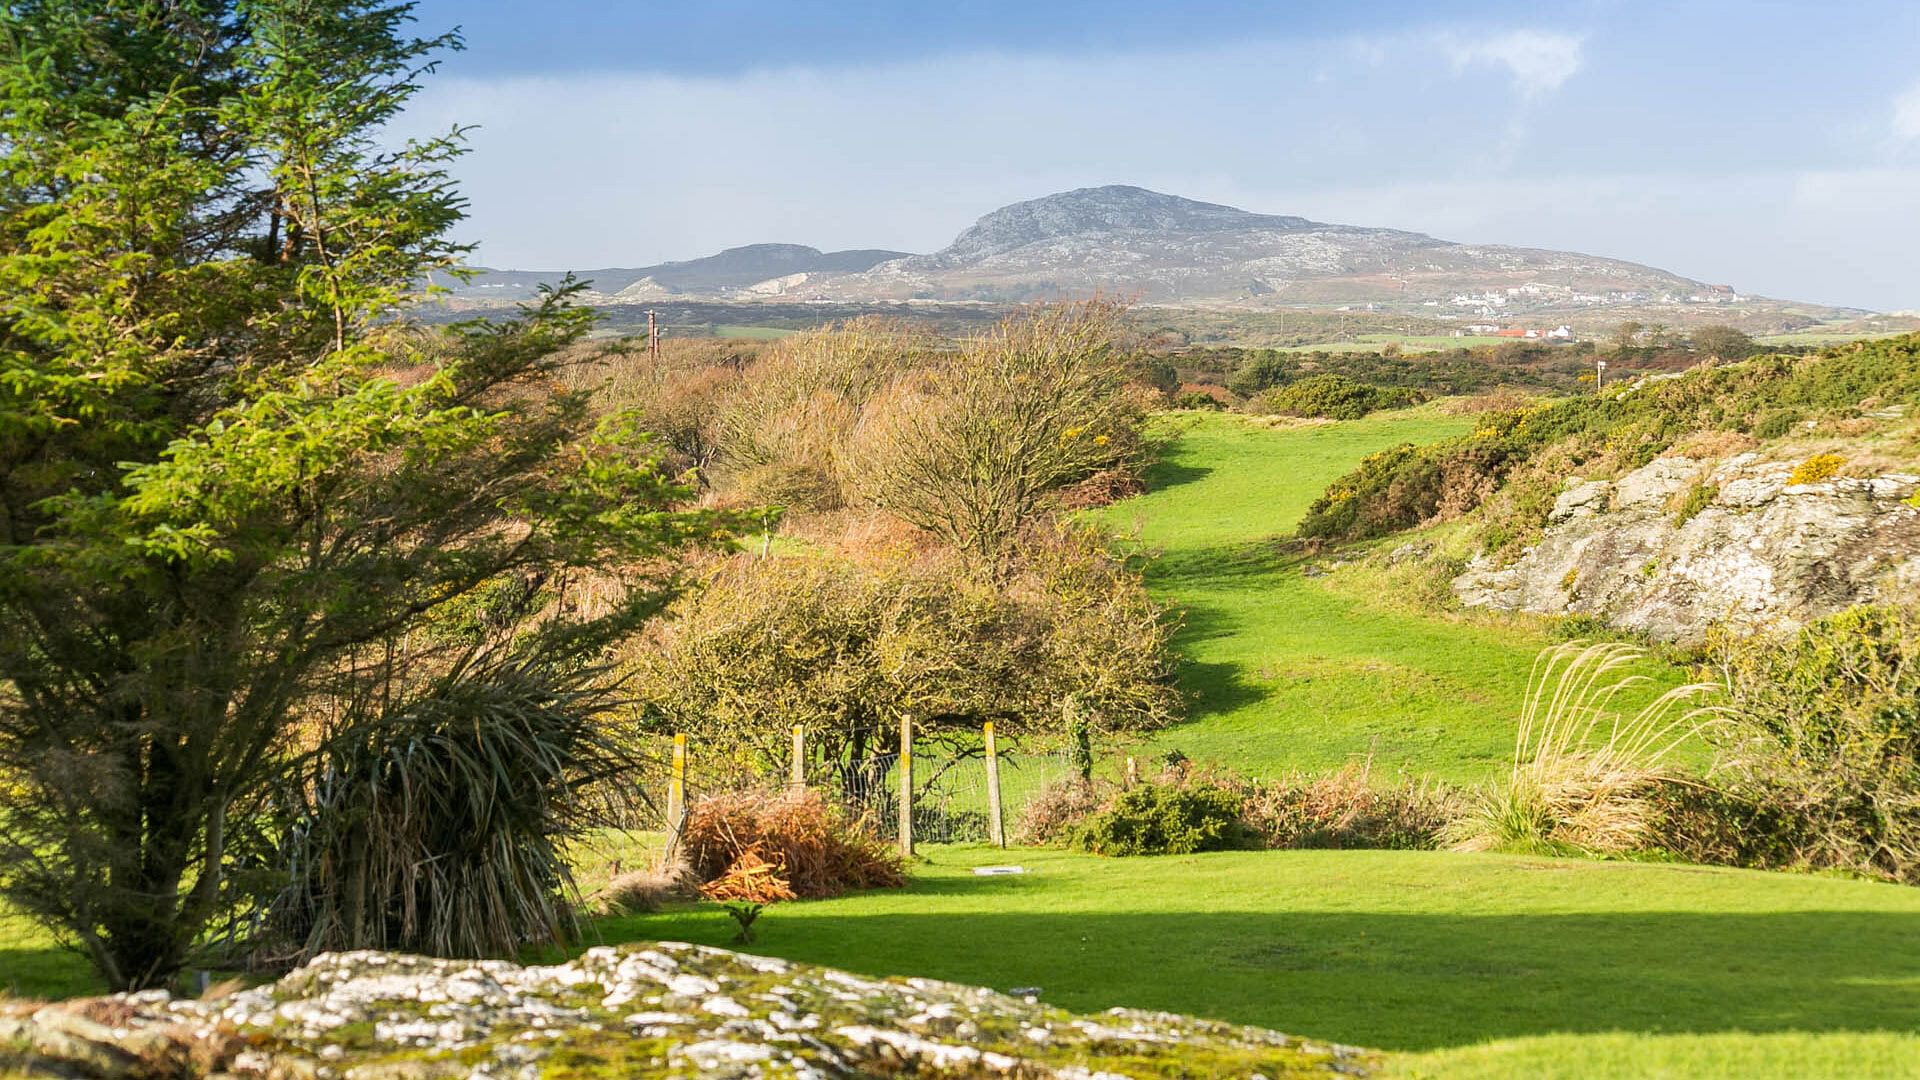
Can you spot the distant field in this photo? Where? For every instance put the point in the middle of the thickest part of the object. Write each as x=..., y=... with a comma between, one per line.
x=1409, y=343
x=755, y=333
x=1824, y=337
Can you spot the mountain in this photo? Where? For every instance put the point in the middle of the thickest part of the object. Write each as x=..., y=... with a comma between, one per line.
x=1162, y=248
x=1157, y=248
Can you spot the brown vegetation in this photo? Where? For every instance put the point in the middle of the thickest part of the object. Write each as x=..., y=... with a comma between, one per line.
x=806, y=845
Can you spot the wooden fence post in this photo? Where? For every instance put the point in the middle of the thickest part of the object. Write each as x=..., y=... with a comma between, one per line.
x=996, y=830
x=906, y=786
x=677, y=792
x=797, y=775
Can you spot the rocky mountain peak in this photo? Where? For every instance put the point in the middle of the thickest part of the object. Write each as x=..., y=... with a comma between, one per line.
x=1109, y=209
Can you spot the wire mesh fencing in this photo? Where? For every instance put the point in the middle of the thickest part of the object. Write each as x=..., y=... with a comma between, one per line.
x=951, y=791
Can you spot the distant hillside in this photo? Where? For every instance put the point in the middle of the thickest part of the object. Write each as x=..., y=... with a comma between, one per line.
x=730, y=271
x=1163, y=249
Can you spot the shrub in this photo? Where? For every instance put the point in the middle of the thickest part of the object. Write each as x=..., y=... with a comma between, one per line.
x=1331, y=397
x=1776, y=423
x=1816, y=468
x=1262, y=371
x=816, y=848
x=1583, y=777
x=1051, y=816
x=1195, y=399
x=1164, y=819
x=1821, y=740
x=1343, y=809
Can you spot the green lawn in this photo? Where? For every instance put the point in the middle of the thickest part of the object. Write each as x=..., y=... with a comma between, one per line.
x=1558, y=964
x=1291, y=671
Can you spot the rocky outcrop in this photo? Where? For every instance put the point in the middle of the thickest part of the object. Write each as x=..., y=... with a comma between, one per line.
x=1671, y=547
x=665, y=1010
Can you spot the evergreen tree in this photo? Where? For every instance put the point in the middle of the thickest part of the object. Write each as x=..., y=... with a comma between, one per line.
x=242, y=499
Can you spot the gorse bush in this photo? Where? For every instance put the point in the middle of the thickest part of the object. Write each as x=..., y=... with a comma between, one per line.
x=1822, y=745
x=1166, y=819
x=1331, y=397
x=1817, y=468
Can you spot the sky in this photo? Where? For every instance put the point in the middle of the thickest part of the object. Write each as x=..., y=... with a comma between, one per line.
x=1770, y=146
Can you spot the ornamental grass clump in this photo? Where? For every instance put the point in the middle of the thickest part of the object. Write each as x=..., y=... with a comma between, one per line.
x=1585, y=779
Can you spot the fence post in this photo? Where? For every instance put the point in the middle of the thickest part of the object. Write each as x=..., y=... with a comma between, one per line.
x=677, y=792
x=906, y=785
x=797, y=775
x=996, y=831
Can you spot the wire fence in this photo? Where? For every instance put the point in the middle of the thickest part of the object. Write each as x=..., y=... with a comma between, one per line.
x=952, y=795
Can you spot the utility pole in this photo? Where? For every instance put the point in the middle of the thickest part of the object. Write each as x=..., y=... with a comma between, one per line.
x=1599, y=374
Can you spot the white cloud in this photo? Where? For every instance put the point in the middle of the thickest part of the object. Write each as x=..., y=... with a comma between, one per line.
x=1538, y=61
x=1906, y=116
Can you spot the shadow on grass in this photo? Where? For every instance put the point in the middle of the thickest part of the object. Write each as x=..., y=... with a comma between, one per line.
x=1166, y=473
x=46, y=973
x=1390, y=980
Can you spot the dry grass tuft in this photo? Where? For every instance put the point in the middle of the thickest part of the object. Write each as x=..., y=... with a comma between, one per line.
x=639, y=892
x=1584, y=778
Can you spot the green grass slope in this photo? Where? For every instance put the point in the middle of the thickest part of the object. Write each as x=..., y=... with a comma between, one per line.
x=1290, y=671
x=1472, y=965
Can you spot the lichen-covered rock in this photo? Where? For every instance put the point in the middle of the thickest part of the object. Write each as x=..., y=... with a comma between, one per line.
x=1755, y=550
x=664, y=1010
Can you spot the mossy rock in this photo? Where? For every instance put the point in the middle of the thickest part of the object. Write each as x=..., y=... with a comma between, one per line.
x=665, y=1010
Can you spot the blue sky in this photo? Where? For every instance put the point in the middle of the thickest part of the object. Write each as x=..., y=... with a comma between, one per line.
x=1771, y=146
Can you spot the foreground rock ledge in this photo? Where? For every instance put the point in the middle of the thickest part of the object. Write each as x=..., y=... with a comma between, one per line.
x=662, y=1010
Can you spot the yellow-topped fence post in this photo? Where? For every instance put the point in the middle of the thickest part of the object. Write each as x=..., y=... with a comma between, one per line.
x=677, y=791
x=996, y=829
x=797, y=773
x=906, y=786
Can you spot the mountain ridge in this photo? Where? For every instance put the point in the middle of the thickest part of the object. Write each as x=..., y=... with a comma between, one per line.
x=1153, y=247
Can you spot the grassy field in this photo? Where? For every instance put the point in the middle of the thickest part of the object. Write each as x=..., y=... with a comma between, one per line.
x=753, y=333
x=1468, y=965
x=1288, y=670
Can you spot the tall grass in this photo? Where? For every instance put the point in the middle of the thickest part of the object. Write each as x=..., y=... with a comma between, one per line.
x=1584, y=774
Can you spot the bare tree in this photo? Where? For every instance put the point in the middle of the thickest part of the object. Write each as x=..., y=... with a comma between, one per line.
x=972, y=449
